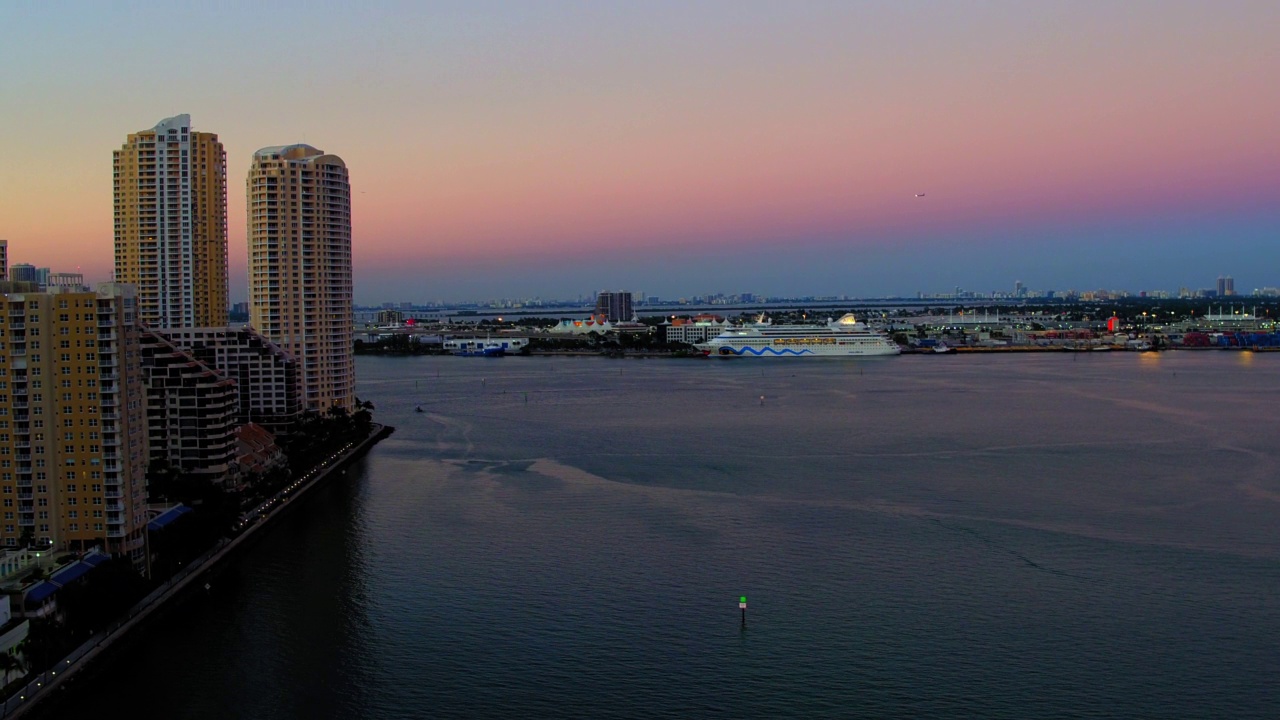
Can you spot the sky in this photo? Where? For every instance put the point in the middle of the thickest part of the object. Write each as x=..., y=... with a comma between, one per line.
x=554, y=149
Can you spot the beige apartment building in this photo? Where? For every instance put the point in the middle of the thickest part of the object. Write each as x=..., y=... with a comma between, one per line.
x=299, y=208
x=171, y=224
x=73, y=442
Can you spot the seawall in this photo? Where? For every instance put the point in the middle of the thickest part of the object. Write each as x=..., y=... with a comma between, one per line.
x=193, y=578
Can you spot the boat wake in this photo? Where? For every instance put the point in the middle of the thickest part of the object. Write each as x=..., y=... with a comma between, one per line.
x=997, y=546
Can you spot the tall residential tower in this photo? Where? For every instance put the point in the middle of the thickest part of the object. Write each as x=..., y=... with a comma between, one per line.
x=300, y=267
x=614, y=306
x=171, y=224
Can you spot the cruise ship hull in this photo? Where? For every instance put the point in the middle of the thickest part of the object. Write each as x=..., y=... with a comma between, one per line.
x=769, y=351
x=845, y=337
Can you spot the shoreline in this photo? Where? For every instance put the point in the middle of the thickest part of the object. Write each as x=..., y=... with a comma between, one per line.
x=227, y=551
x=954, y=350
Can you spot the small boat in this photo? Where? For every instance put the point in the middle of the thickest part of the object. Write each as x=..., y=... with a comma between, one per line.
x=418, y=409
x=465, y=347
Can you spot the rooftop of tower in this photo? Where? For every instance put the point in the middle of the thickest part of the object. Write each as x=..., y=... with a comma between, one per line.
x=298, y=151
x=172, y=123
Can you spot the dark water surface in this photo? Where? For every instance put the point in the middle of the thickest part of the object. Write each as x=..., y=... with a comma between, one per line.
x=981, y=536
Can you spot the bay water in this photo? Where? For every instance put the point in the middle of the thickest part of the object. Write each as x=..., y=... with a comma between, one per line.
x=1005, y=536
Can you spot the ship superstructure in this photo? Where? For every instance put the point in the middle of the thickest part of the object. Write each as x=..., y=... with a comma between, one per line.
x=845, y=337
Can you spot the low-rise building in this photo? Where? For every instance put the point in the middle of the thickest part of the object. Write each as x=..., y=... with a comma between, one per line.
x=256, y=450
x=698, y=329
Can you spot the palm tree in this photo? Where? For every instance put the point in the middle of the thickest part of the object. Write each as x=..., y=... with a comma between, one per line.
x=46, y=641
x=363, y=416
x=8, y=664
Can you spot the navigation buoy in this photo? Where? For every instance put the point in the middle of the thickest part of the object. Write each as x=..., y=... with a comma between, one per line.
x=761, y=400
x=742, y=605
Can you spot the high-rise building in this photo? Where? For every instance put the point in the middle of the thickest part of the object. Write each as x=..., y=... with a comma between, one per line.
x=266, y=376
x=72, y=420
x=171, y=224
x=1226, y=286
x=191, y=412
x=56, y=280
x=4, y=259
x=300, y=267
x=615, y=306
x=22, y=272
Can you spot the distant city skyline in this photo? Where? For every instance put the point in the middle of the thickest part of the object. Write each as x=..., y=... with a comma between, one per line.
x=1207, y=287
x=520, y=150
x=641, y=299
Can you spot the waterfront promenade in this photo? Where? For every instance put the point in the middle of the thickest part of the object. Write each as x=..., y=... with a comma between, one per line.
x=253, y=524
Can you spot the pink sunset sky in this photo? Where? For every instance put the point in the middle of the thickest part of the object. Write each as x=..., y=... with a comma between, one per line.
x=677, y=148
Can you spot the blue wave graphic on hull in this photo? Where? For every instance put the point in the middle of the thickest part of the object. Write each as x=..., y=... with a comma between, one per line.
x=770, y=351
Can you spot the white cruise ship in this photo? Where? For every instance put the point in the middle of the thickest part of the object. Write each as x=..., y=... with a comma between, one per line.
x=845, y=337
